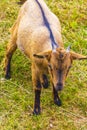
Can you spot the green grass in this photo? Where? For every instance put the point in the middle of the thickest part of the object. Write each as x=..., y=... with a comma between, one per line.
x=16, y=94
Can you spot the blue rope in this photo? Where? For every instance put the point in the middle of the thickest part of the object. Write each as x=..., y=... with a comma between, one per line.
x=54, y=44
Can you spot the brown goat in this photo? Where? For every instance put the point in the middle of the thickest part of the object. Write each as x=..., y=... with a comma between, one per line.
x=37, y=33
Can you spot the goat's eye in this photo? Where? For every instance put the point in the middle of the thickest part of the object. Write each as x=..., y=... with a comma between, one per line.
x=70, y=66
x=68, y=70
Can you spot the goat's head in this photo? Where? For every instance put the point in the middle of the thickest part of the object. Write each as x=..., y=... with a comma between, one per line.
x=59, y=64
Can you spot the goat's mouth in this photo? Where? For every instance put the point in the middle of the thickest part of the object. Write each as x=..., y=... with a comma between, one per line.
x=59, y=87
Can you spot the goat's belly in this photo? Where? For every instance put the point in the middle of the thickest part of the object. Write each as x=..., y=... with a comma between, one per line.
x=23, y=47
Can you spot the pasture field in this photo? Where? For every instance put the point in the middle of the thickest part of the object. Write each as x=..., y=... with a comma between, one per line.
x=16, y=94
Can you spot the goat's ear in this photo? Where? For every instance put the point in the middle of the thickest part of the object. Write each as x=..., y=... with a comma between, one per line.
x=76, y=56
x=43, y=55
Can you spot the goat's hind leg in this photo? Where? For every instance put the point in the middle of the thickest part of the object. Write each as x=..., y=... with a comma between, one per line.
x=10, y=50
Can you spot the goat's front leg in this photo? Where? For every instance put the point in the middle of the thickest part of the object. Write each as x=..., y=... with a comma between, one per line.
x=37, y=89
x=37, y=109
x=57, y=100
x=44, y=81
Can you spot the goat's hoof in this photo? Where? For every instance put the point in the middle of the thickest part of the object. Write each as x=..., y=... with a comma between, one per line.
x=35, y=112
x=45, y=83
x=7, y=76
x=58, y=102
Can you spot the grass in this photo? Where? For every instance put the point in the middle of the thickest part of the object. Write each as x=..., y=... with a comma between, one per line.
x=16, y=94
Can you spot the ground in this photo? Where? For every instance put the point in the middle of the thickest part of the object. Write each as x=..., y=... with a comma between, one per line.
x=16, y=94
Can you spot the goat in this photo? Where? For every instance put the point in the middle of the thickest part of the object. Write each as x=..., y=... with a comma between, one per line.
x=37, y=33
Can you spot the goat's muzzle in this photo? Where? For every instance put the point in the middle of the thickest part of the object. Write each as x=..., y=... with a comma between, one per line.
x=59, y=87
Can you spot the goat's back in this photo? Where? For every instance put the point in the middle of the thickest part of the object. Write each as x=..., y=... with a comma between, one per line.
x=33, y=35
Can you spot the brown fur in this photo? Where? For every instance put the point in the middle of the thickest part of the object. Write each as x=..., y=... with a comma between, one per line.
x=33, y=39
